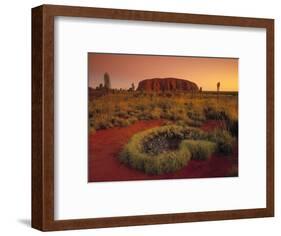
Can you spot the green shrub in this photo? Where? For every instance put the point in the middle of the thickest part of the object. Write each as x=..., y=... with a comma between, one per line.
x=102, y=124
x=140, y=107
x=121, y=122
x=117, y=121
x=215, y=114
x=157, y=164
x=132, y=120
x=223, y=139
x=200, y=149
x=167, y=162
x=179, y=122
x=146, y=115
x=125, y=123
x=122, y=114
x=91, y=128
x=232, y=126
x=156, y=113
x=196, y=116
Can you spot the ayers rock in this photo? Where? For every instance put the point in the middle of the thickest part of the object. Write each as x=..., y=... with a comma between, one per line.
x=167, y=84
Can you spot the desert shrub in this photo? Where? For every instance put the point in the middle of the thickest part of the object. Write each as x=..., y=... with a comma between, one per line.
x=164, y=104
x=125, y=123
x=195, y=115
x=232, y=126
x=210, y=113
x=134, y=113
x=174, y=115
x=91, y=128
x=145, y=115
x=178, y=115
x=102, y=122
x=122, y=114
x=167, y=115
x=140, y=107
x=215, y=114
x=188, y=105
x=223, y=139
x=121, y=122
x=200, y=149
x=180, y=122
x=132, y=120
x=116, y=121
x=156, y=113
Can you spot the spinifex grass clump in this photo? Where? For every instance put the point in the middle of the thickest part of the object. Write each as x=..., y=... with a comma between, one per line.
x=229, y=117
x=200, y=149
x=223, y=139
x=169, y=148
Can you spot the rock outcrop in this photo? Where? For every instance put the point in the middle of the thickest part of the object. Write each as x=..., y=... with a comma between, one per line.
x=167, y=84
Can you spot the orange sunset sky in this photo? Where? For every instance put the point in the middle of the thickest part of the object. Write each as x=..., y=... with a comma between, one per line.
x=125, y=69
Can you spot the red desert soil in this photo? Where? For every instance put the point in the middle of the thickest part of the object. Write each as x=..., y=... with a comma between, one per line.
x=104, y=146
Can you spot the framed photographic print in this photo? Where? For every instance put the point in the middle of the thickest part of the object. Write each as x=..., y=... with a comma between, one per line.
x=143, y=117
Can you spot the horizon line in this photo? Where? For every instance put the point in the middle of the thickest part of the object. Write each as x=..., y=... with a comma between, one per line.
x=177, y=90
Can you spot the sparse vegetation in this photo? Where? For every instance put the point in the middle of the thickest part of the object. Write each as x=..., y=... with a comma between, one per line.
x=123, y=108
x=223, y=139
x=170, y=147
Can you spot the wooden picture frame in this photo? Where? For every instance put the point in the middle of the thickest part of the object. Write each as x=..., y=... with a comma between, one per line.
x=43, y=117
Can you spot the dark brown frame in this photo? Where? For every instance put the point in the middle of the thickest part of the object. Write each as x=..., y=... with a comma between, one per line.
x=43, y=117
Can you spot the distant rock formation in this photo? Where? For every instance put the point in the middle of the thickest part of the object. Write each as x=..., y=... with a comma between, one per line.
x=167, y=84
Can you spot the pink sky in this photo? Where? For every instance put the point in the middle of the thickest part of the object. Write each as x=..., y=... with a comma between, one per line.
x=125, y=69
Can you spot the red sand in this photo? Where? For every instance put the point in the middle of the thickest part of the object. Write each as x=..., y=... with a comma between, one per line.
x=105, y=145
x=212, y=124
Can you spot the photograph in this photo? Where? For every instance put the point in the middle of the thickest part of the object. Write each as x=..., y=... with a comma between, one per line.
x=161, y=117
